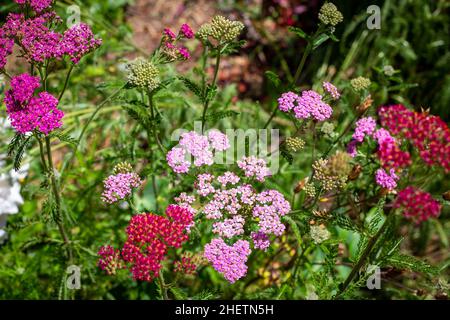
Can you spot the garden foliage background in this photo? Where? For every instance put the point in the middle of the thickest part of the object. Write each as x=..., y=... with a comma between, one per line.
x=413, y=39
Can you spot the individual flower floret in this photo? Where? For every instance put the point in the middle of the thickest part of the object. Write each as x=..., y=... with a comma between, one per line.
x=330, y=15
x=143, y=74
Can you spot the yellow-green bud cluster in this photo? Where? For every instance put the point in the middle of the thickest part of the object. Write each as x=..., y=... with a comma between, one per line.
x=310, y=189
x=327, y=128
x=333, y=173
x=294, y=144
x=143, y=74
x=330, y=15
x=220, y=29
x=360, y=83
x=122, y=167
x=319, y=233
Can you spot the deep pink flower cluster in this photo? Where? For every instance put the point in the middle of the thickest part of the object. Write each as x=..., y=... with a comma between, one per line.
x=186, y=265
x=110, y=260
x=149, y=238
x=417, y=205
x=254, y=167
x=39, y=43
x=119, y=186
x=198, y=146
x=228, y=260
x=309, y=104
x=428, y=133
x=386, y=180
x=364, y=126
x=36, y=5
x=28, y=112
x=170, y=39
x=331, y=90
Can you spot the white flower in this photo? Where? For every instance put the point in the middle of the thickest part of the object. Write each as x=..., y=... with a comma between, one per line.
x=319, y=234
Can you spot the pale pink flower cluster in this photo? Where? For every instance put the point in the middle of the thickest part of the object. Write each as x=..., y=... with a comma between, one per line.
x=308, y=105
x=119, y=186
x=228, y=260
x=200, y=147
x=386, y=180
x=331, y=90
x=364, y=126
x=260, y=240
x=254, y=167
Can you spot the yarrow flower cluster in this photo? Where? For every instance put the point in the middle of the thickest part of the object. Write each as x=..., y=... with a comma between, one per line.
x=417, y=205
x=331, y=90
x=309, y=104
x=36, y=5
x=364, y=126
x=429, y=134
x=170, y=49
x=319, y=233
x=119, y=186
x=38, y=42
x=28, y=112
x=220, y=29
x=360, y=83
x=149, y=238
x=294, y=144
x=330, y=15
x=386, y=180
x=333, y=173
x=228, y=260
x=200, y=147
x=237, y=209
x=143, y=74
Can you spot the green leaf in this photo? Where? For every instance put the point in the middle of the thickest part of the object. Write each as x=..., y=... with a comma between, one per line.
x=295, y=229
x=64, y=137
x=273, y=77
x=192, y=86
x=403, y=261
x=215, y=116
x=319, y=40
x=232, y=47
x=299, y=32
x=178, y=293
x=18, y=149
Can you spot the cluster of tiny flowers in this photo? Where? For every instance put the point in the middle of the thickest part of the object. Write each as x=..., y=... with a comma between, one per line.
x=228, y=260
x=200, y=147
x=294, y=144
x=28, y=112
x=220, y=29
x=331, y=90
x=309, y=104
x=330, y=15
x=6, y=48
x=429, y=134
x=254, y=167
x=149, y=238
x=170, y=49
x=39, y=43
x=319, y=233
x=364, y=126
x=386, y=180
x=36, y=5
x=328, y=129
x=360, y=83
x=186, y=265
x=417, y=205
x=119, y=186
x=389, y=152
x=332, y=173
x=143, y=74
x=110, y=260
x=260, y=240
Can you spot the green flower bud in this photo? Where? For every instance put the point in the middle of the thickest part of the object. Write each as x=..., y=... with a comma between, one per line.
x=294, y=144
x=360, y=83
x=122, y=167
x=330, y=15
x=143, y=74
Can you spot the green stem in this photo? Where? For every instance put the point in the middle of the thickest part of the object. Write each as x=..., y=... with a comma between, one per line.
x=155, y=133
x=163, y=286
x=57, y=195
x=206, y=104
x=66, y=82
x=362, y=259
x=41, y=149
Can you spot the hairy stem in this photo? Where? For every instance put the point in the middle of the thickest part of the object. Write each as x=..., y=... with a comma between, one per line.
x=206, y=104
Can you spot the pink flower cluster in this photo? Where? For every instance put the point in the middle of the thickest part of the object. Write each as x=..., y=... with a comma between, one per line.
x=36, y=5
x=110, y=260
x=331, y=90
x=260, y=240
x=254, y=167
x=417, y=205
x=309, y=104
x=119, y=186
x=386, y=180
x=198, y=146
x=228, y=260
x=185, y=265
x=170, y=39
x=149, y=238
x=389, y=152
x=39, y=43
x=28, y=112
x=429, y=134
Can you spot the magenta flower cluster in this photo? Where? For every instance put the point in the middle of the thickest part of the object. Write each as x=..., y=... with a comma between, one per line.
x=386, y=180
x=199, y=147
x=119, y=186
x=417, y=205
x=36, y=5
x=38, y=42
x=254, y=167
x=228, y=260
x=331, y=90
x=170, y=39
x=308, y=105
x=28, y=112
x=364, y=126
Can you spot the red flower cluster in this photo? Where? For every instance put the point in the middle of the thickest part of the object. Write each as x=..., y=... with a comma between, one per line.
x=429, y=134
x=149, y=238
x=417, y=205
x=109, y=260
x=186, y=265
